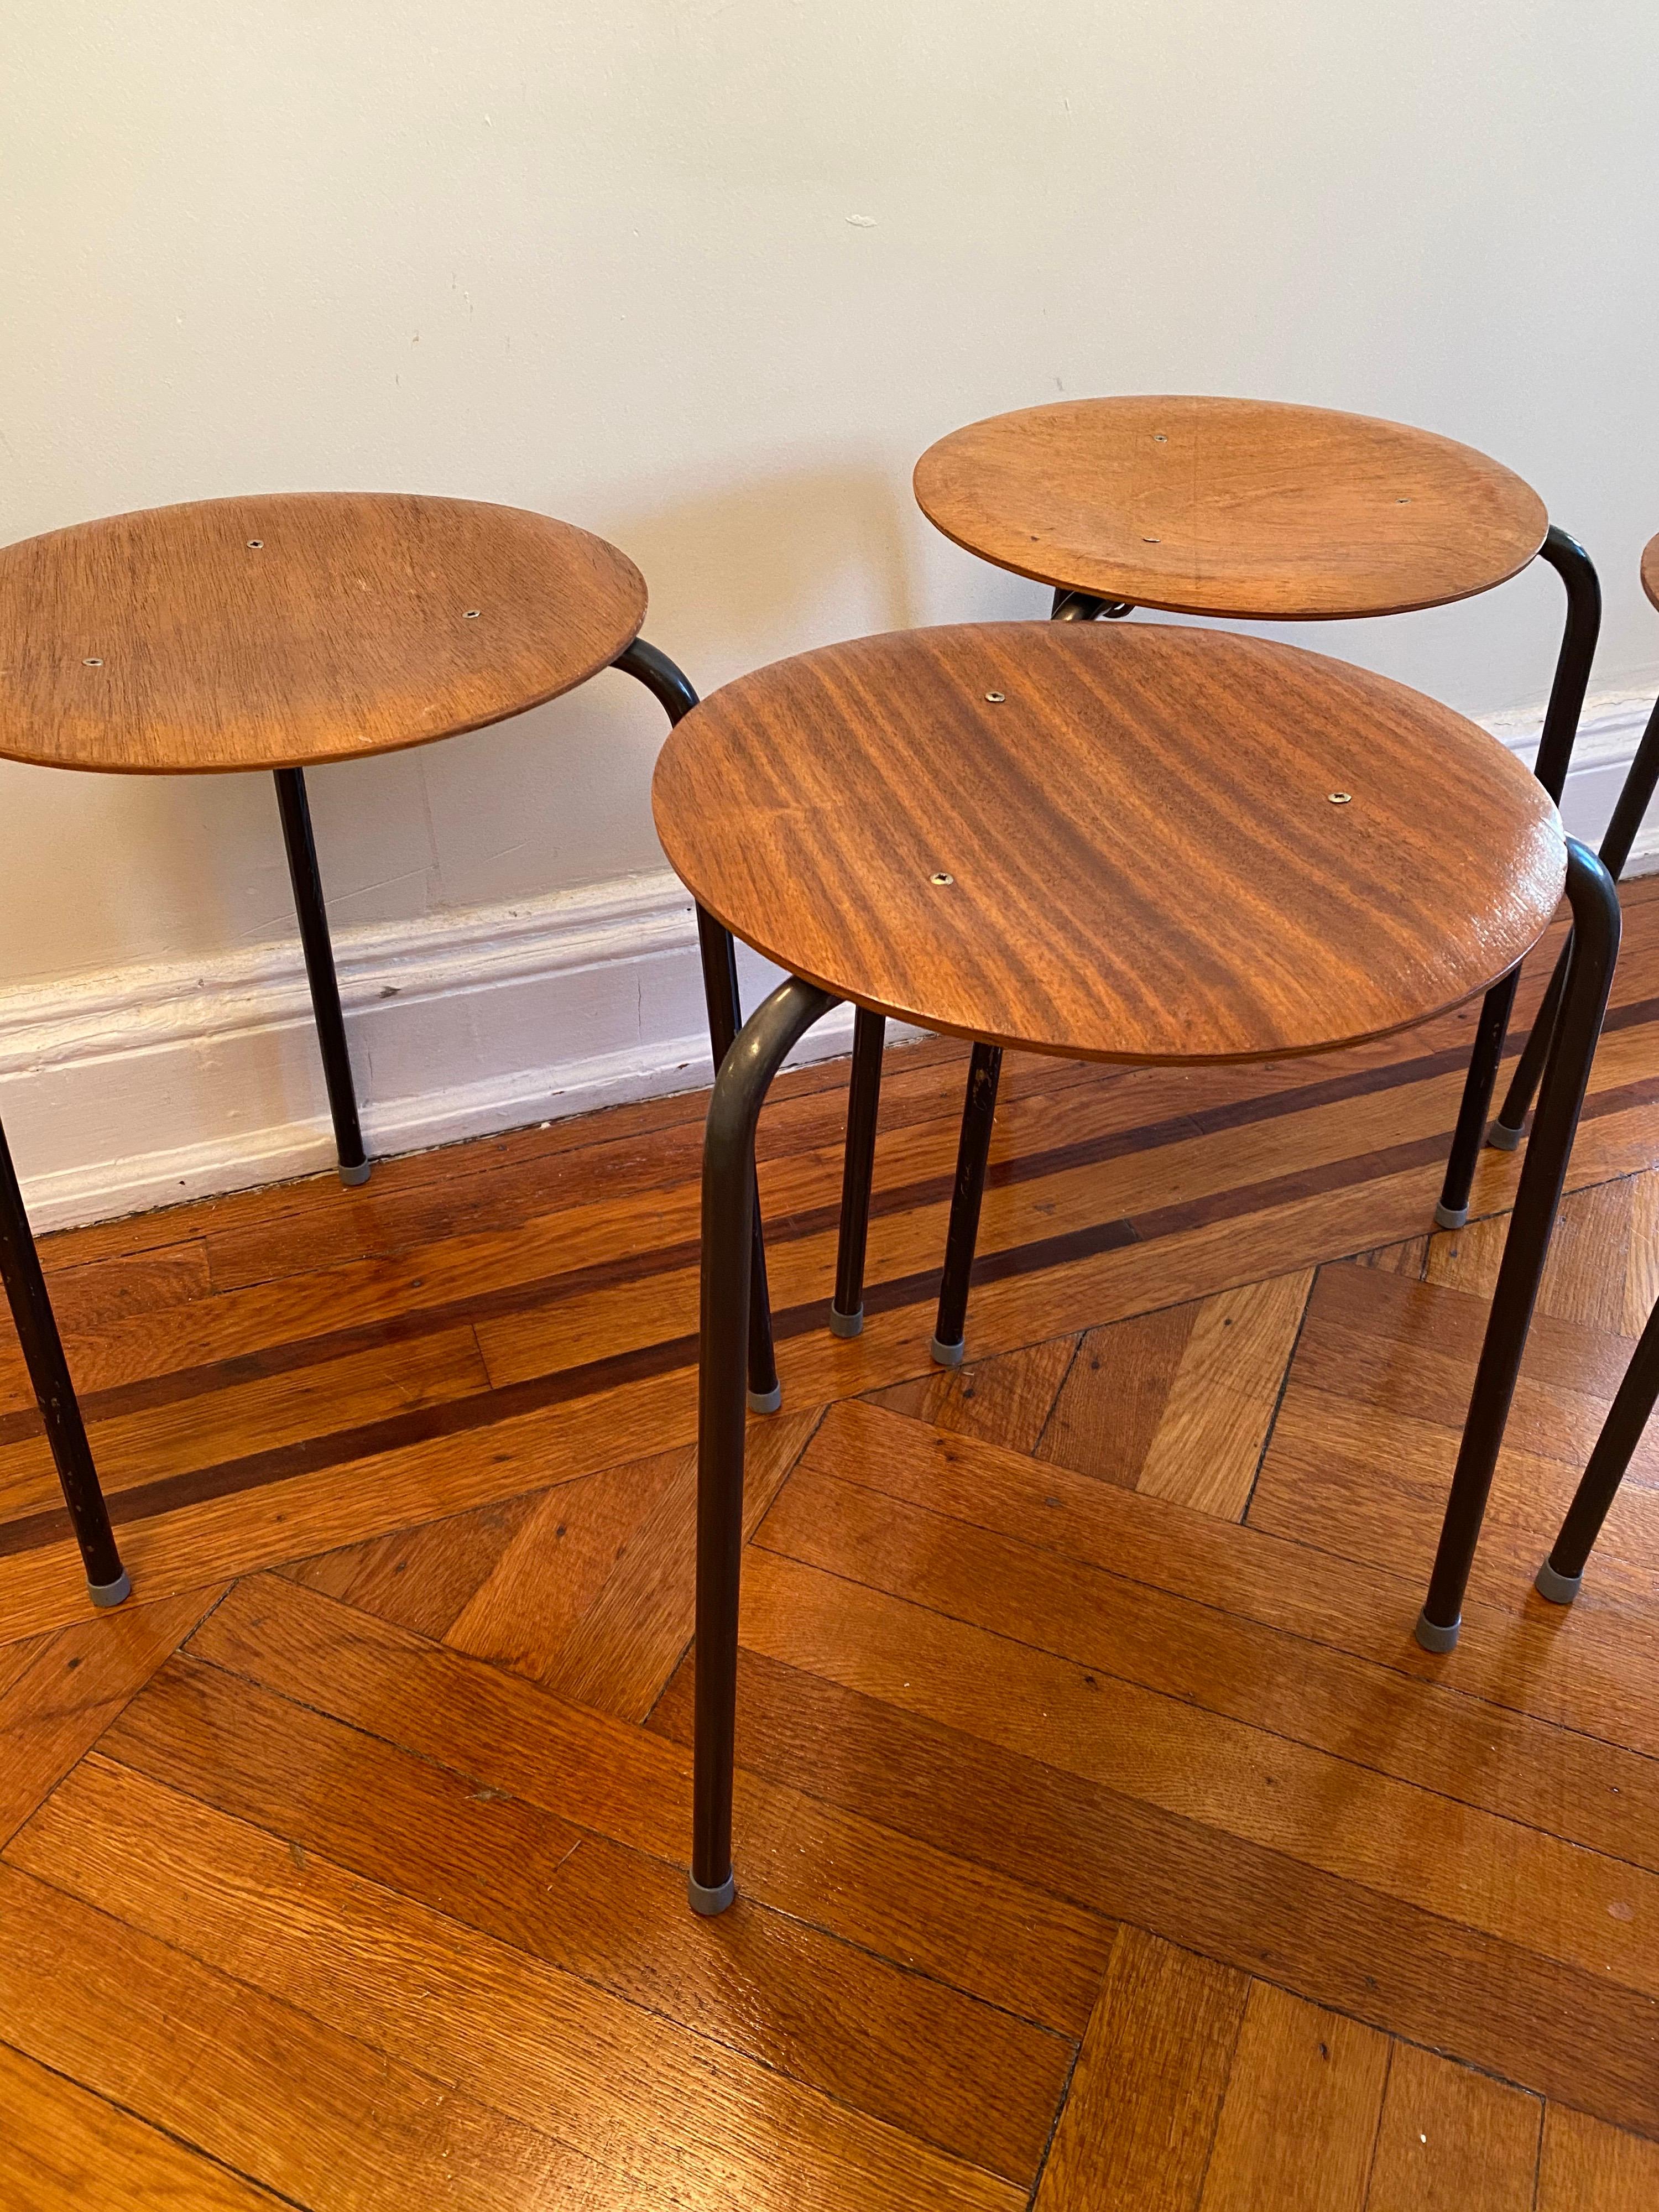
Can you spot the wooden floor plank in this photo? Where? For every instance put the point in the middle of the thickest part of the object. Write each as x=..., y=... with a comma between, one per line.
x=1368, y=1830
x=594, y=1595
x=59, y=2146
x=956, y=2072
x=627, y=2087
x=1300, y=2116
x=1452, y=2140
x=1589, y=2167
x=1575, y=1669
x=1565, y=2031
x=1140, y=2117
x=1208, y=1445
x=1523, y=1770
x=75, y=1685
x=988, y=1935
x=1005, y=1400
x=321, y=2120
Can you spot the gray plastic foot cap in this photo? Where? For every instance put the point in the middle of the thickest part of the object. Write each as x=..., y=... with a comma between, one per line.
x=1560, y=1589
x=709, y=1902
x=351, y=1177
x=766, y=1402
x=1503, y=1139
x=108, y=1593
x=843, y=1324
x=947, y=1355
x=1433, y=1638
x=1451, y=1216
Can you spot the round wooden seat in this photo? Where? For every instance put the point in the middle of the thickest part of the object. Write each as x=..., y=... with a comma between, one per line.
x=1134, y=843
x=274, y=632
x=1231, y=507
x=1650, y=570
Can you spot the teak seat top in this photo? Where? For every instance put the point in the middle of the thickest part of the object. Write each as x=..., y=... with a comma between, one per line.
x=1650, y=570
x=1231, y=507
x=1142, y=857
x=276, y=631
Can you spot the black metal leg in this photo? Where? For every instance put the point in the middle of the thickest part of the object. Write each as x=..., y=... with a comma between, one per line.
x=728, y=1200
x=671, y=687
x=107, y=1582
x=320, y=970
x=858, y=1172
x=1083, y=606
x=979, y=1114
x=1633, y=803
x=720, y=984
x=1559, y=1577
x=1573, y=671
x=1452, y=1209
x=1595, y=945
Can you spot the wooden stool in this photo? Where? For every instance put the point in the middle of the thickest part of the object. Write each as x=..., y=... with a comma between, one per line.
x=1233, y=508
x=1177, y=846
x=274, y=633
x=1562, y=1574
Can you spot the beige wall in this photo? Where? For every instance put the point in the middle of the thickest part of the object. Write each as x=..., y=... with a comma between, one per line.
x=705, y=275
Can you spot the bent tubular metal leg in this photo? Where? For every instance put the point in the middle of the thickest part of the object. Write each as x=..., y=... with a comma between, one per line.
x=858, y=1172
x=107, y=1582
x=670, y=687
x=1633, y=802
x=1572, y=669
x=728, y=1202
x=320, y=971
x=979, y=1117
x=1559, y=1577
x=1595, y=919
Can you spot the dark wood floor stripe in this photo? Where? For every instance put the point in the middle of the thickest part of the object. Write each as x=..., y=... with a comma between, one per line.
x=485, y=1408
x=545, y=1292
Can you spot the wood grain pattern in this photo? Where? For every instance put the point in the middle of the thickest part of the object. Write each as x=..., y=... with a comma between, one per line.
x=818, y=2009
x=1033, y=1954
x=629, y=2086
x=156, y=2031
x=814, y=805
x=296, y=627
x=1650, y=569
x=1452, y=2140
x=57, y=1707
x=1589, y=2167
x=1300, y=2115
x=1140, y=2119
x=60, y=2146
x=1231, y=507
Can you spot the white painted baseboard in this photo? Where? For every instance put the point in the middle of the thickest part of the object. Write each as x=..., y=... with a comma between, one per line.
x=149, y=1085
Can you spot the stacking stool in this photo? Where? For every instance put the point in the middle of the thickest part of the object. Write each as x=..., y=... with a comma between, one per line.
x=1176, y=846
x=1230, y=507
x=1561, y=1575
x=274, y=633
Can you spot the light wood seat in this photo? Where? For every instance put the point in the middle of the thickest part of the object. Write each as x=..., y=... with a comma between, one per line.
x=1651, y=571
x=1242, y=508
x=295, y=628
x=1137, y=843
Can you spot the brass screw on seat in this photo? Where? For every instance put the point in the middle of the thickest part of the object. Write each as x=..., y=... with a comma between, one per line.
x=941, y=877
x=92, y=661
x=1341, y=798
x=472, y=614
x=996, y=698
x=254, y=545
